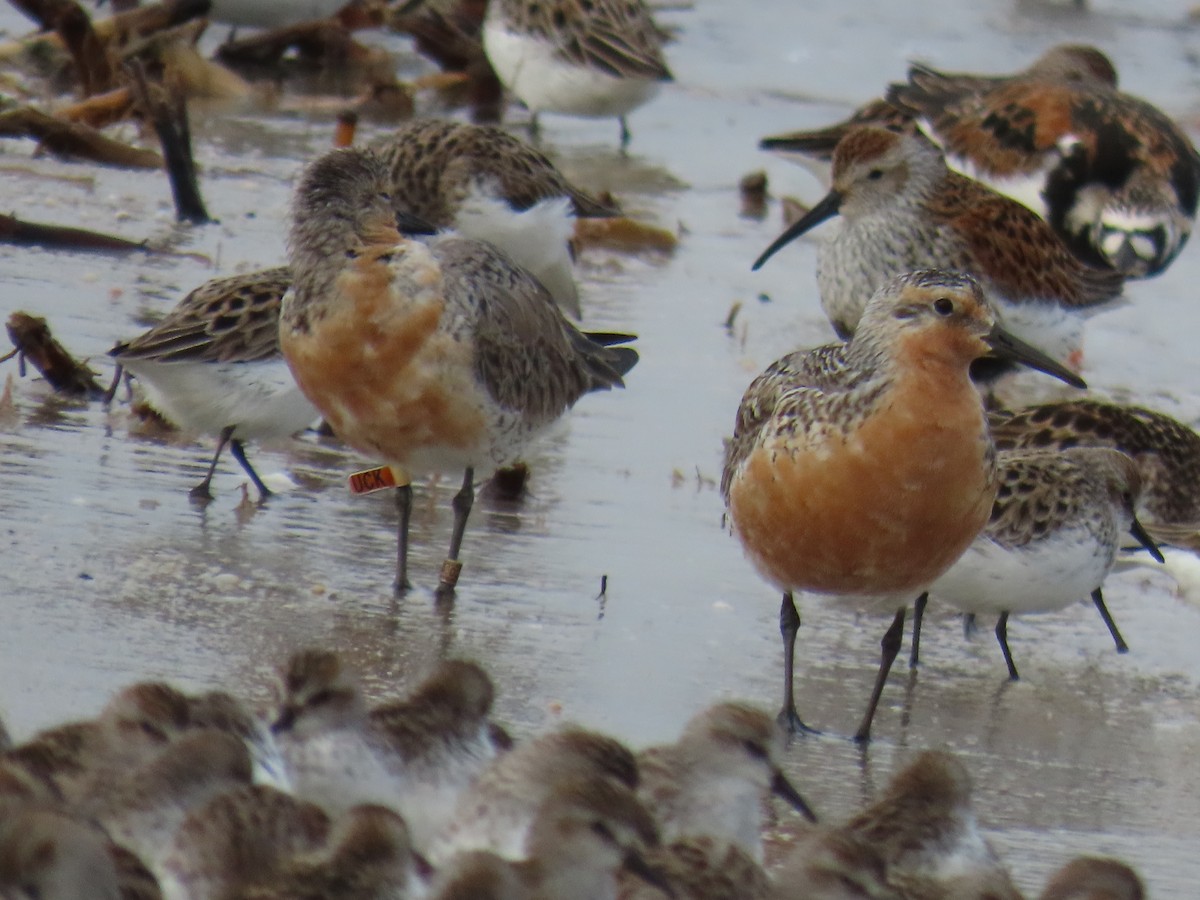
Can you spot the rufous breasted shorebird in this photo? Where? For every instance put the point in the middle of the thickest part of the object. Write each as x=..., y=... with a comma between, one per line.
x=213, y=364
x=430, y=355
x=865, y=469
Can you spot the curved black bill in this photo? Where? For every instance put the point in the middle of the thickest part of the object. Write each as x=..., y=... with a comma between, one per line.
x=1008, y=347
x=781, y=787
x=826, y=209
x=1143, y=538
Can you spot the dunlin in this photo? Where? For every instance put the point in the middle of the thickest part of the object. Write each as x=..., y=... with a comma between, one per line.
x=707, y=792
x=1067, y=62
x=432, y=356
x=142, y=808
x=583, y=834
x=902, y=208
x=417, y=755
x=213, y=366
x=715, y=778
x=866, y=469
x=1054, y=532
x=237, y=839
x=593, y=58
x=1115, y=176
x=490, y=186
x=925, y=828
x=135, y=725
x=368, y=857
x=498, y=811
x=1167, y=451
x=1094, y=878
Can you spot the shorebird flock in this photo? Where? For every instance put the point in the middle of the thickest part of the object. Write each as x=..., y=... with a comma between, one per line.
x=326, y=795
x=427, y=312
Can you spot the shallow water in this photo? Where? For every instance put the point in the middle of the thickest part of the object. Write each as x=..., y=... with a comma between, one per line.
x=109, y=574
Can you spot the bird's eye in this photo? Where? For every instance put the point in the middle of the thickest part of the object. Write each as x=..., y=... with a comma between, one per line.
x=604, y=832
x=385, y=196
x=943, y=306
x=756, y=750
x=875, y=174
x=320, y=698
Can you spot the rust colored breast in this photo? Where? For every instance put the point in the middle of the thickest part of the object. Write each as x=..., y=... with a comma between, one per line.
x=885, y=511
x=389, y=381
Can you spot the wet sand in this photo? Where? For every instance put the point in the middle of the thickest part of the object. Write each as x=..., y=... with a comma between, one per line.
x=109, y=574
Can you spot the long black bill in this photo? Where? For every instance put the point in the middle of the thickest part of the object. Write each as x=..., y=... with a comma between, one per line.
x=781, y=787
x=412, y=225
x=1143, y=538
x=826, y=209
x=1008, y=347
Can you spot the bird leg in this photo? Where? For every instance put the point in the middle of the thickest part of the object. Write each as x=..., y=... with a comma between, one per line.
x=889, y=647
x=462, y=503
x=918, y=618
x=789, y=625
x=202, y=491
x=404, y=507
x=1002, y=637
x=968, y=626
x=239, y=453
x=1098, y=599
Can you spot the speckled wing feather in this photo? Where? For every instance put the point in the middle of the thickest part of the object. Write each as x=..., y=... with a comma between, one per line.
x=1001, y=237
x=1003, y=131
x=1007, y=130
x=433, y=162
x=700, y=866
x=614, y=36
x=531, y=358
x=1038, y=491
x=1119, y=134
x=800, y=385
x=924, y=819
x=224, y=320
x=835, y=863
x=1167, y=451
